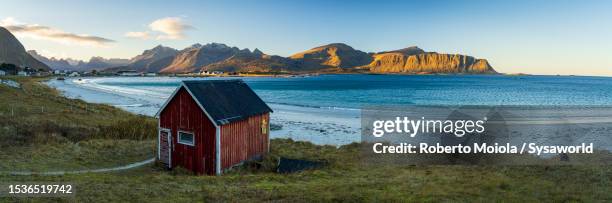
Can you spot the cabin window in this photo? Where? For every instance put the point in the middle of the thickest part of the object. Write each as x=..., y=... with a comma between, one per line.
x=264, y=126
x=186, y=138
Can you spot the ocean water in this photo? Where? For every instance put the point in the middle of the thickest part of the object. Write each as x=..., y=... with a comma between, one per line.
x=325, y=109
x=355, y=91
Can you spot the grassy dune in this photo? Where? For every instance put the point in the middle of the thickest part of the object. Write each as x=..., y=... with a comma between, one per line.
x=36, y=113
x=347, y=177
x=40, y=130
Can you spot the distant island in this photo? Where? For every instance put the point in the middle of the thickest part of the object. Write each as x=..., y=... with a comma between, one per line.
x=331, y=58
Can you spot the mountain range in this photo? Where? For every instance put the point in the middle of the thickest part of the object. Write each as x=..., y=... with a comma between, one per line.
x=94, y=63
x=331, y=58
x=336, y=57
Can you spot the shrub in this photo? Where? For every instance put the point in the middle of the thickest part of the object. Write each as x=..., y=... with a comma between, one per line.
x=135, y=128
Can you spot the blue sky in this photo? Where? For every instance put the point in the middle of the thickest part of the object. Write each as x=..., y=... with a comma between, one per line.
x=538, y=37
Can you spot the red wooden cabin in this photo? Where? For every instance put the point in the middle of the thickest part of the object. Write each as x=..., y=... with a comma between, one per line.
x=208, y=126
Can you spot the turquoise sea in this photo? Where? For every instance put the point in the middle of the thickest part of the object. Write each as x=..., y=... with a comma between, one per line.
x=354, y=91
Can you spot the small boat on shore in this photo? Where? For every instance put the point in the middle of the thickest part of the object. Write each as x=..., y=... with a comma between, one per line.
x=61, y=78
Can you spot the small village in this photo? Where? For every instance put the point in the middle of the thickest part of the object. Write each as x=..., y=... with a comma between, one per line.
x=14, y=70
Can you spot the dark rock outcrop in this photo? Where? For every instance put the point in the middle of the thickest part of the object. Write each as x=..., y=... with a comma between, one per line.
x=13, y=52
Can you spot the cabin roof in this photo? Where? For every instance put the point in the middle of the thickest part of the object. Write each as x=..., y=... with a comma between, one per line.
x=225, y=101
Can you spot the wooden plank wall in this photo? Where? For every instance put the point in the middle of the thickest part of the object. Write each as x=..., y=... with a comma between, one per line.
x=184, y=114
x=244, y=140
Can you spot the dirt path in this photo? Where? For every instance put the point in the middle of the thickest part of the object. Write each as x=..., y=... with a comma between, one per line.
x=100, y=170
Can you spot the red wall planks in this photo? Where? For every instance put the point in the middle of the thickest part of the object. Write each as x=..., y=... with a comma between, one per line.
x=183, y=114
x=243, y=140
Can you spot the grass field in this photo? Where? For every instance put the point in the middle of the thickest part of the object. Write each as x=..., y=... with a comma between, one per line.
x=68, y=156
x=347, y=177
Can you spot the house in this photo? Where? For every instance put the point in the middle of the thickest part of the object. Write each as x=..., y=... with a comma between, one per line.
x=211, y=72
x=2, y=73
x=208, y=126
x=74, y=74
x=22, y=73
x=128, y=73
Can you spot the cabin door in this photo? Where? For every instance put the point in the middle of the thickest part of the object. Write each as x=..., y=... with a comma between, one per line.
x=165, y=147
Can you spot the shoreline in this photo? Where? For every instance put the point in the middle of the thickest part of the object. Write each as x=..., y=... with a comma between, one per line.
x=321, y=126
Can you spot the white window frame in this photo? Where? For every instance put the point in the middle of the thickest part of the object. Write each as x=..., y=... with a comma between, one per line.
x=178, y=138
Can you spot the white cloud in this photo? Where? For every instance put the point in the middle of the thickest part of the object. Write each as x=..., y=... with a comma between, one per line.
x=172, y=27
x=167, y=28
x=53, y=34
x=139, y=35
x=9, y=21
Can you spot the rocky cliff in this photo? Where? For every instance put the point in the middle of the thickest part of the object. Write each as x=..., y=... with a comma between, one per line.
x=191, y=59
x=149, y=60
x=336, y=55
x=13, y=52
x=422, y=62
x=255, y=61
